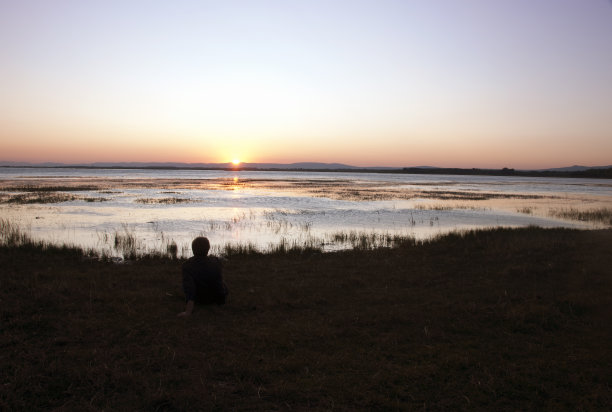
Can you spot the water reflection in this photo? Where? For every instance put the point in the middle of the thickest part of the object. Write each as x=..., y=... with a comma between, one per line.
x=324, y=210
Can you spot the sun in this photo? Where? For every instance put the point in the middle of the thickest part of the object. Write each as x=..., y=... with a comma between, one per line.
x=236, y=162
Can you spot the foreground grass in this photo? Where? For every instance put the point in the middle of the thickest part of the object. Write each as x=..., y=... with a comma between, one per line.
x=495, y=320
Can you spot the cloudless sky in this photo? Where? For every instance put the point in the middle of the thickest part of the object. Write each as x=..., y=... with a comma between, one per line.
x=457, y=83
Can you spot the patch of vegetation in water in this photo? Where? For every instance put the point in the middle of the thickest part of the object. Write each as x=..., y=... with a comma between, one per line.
x=163, y=200
x=600, y=215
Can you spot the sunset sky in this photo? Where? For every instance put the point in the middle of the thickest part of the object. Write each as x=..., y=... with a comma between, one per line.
x=455, y=83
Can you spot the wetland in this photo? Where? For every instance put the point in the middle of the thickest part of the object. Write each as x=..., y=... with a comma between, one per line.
x=162, y=210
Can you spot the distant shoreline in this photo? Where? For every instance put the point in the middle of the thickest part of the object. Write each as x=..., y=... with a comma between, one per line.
x=589, y=173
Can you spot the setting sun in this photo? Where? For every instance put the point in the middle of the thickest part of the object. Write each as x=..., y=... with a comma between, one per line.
x=236, y=162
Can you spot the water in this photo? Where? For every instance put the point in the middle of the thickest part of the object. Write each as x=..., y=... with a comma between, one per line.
x=161, y=207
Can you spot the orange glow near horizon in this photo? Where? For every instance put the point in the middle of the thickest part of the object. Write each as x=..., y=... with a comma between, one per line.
x=400, y=84
x=408, y=152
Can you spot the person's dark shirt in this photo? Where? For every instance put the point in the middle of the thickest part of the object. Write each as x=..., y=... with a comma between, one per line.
x=203, y=281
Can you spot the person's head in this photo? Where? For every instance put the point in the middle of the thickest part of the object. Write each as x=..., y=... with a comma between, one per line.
x=200, y=246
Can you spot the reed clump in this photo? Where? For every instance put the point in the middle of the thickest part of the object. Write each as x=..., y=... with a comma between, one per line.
x=236, y=249
x=172, y=250
x=50, y=188
x=364, y=193
x=163, y=200
x=11, y=235
x=125, y=242
x=366, y=240
x=599, y=215
x=39, y=197
x=44, y=197
x=446, y=207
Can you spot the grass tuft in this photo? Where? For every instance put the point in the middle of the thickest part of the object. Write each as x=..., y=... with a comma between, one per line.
x=126, y=243
x=601, y=215
x=163, y=201
x=11, y=235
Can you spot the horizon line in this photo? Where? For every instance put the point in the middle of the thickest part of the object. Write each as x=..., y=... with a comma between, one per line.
x=241, y=165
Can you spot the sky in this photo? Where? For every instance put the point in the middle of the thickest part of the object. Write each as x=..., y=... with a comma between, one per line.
x=449, y=83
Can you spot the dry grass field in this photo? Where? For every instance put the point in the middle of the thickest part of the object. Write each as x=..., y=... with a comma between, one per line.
x=492, y=320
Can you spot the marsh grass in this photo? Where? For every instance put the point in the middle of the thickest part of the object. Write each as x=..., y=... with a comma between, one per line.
x=163, y=200
x=93, y=199
x=282, y=247
x=527, y=210
x=364, y=193
x=366, y=240
x=341, y=189
x=129, y=247
x=39, y=197
x=498, y=320
x=172, y=249
x=446, y=207
x=11, y=235
x=435, y=207
x=331, y=242
x=44, y=197
x=600, y=215
x=126, y=243
x=475, y=195
x=236, y=249
x=50, y=188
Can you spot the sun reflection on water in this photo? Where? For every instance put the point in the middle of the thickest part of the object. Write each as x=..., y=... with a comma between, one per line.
x=259, y=210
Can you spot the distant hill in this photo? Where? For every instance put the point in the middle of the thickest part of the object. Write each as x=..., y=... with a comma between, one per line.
x=177, y=165
x=570, y=171
x=575, y=168
x=27, y=164
x=299, y=165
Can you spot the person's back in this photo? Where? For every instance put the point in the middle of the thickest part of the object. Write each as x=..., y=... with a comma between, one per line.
x=202, y=280
x=202, y=277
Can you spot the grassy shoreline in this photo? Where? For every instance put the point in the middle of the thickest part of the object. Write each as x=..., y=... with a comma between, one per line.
x=489, y=320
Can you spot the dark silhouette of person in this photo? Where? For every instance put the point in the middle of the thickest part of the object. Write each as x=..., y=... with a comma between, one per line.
x=202, y=277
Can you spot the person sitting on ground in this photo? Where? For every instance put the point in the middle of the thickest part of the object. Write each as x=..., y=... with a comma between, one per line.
x=202, y=277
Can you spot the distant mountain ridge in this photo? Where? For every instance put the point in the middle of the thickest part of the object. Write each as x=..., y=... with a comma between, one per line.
x=229, y=165
x=180, y=165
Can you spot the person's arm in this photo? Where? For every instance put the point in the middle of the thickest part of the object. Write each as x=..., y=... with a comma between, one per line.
x=188, y=309
x=189, y=287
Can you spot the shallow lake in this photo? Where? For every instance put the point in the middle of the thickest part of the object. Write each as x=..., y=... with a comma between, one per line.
x=102, y=208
